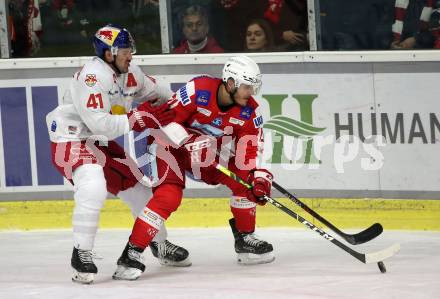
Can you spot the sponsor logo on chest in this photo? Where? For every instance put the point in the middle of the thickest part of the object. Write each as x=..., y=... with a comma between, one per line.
x=203, y=97
x=204, y=111
x=246, y=112
x=217, y=121
x=236, y=121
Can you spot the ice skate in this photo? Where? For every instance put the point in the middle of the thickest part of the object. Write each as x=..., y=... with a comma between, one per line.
x=84, y=269
x=169, y=254
x=250, y=249
x=130, y=264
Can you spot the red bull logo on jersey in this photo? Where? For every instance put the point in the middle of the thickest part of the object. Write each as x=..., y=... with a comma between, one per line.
x=90, y=80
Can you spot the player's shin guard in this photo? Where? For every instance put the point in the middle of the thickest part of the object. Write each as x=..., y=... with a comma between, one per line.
x=244, y=213
x=166, y=199
x=145, y=228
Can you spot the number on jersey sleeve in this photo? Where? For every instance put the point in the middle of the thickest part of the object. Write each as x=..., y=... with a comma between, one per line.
x=93, y=103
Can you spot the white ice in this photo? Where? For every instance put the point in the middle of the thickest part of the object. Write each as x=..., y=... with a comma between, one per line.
x=37, y=265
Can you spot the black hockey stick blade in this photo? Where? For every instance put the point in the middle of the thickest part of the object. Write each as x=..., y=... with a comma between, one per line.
x=365, y=235
x=365, y=258
x=354, y=239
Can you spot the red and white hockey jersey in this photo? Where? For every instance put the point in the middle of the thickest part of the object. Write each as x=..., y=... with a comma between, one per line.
x=97, y=101
x=196, y=108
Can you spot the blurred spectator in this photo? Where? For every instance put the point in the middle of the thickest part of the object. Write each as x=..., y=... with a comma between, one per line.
x=232, y=17
x=411, y=23
x=383, y=20
x=73, y=22
x=146, y=18
x=25, y=25
x=145, y=26
x=434, y=27
x=64, y=25
x=355, y=25
x=177, y=9
x=228, y=3
x=259, y=37
x=430, y=38
x=195, y=28
x=289, y=21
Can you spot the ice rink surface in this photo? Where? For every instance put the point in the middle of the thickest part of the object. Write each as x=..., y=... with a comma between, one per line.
x=37, y=265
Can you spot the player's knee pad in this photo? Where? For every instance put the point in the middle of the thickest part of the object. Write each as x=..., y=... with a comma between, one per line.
x=136, y=198
x=166, y=199
x=90, y=189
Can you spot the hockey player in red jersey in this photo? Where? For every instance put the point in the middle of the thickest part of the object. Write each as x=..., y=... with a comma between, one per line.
x=217, y=114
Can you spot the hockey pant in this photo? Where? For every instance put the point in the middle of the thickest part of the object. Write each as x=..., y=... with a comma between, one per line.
x=93, y=176
x=168, y=195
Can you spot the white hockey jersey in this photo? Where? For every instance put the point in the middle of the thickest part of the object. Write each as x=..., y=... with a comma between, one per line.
x=97, y=101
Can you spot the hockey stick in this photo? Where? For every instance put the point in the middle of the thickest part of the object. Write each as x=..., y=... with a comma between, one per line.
x=355, y=239
x=365, y=258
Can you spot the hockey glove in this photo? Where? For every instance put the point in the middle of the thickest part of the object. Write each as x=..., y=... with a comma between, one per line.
x=261, y=182
x=146, y=116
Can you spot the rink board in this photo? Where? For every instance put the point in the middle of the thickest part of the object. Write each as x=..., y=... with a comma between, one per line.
x=210, y=212
x=361, y=128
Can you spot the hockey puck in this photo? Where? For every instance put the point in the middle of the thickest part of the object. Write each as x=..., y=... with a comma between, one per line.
x=381, y=266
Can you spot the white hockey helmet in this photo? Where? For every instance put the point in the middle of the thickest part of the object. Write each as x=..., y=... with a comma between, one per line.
x=244, y=71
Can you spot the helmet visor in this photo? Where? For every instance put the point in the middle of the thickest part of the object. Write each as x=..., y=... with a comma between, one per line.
x=253, y=82
x=132, y=44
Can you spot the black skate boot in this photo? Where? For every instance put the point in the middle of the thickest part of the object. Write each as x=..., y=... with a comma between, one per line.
x=251, y=250
x=169, y=254
x=130, y=264
x=84, y=269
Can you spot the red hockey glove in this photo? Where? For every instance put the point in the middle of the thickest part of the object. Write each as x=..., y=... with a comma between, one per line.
x=261, y=182
x=146, y=116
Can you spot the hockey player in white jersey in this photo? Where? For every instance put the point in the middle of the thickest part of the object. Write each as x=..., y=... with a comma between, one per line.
x=96, y=109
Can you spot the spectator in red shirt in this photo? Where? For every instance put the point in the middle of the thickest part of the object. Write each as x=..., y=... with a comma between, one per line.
x=195, y=28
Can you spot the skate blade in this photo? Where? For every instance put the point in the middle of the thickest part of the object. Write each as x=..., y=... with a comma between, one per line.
x=126, y=273
x=255, y=259
x=84, y=278
x=185, y=263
